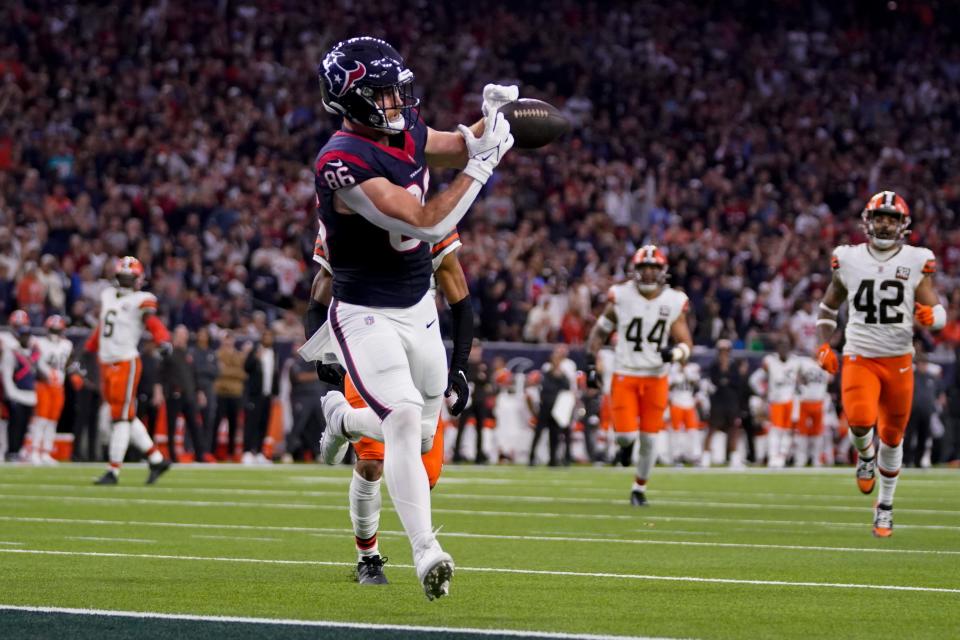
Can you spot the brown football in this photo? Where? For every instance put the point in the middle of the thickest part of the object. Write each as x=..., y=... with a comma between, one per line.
x=534, y=123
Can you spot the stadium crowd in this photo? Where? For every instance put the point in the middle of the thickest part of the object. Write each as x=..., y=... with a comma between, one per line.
x=183, y=134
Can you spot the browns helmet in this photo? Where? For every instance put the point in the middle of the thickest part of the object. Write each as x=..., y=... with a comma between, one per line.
x=886, y=204
x=649, y=280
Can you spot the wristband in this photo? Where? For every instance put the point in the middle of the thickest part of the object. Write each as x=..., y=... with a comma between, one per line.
x=939, y=317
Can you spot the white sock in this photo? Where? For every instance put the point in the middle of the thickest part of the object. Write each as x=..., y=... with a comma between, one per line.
x=365, y=501
x=119, y=441
x=802, y=450
x=141, y=440
x=405, y=475
x=49, y=435
x=363, y=422
x=888, y=464
x=863, y=444
x=648, y=455
x=773, y=445
x=816, y=450
x=695, y=443
x=35, y=429
x=786, y=440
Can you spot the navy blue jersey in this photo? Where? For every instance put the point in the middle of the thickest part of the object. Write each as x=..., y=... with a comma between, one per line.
x=371, y=266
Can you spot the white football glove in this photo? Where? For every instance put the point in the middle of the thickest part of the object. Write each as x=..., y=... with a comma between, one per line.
x=484, y=153
x=497, y=95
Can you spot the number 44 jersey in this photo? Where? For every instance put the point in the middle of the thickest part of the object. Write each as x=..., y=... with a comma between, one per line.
x=880, y=297
x=643, y=328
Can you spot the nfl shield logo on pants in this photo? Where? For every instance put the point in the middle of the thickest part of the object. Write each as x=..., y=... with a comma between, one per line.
x=368, y=320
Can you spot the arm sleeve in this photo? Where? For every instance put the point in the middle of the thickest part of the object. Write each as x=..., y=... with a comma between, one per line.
x=93, y=340
x=462, y=312
x=357, y=200
x=156, y=329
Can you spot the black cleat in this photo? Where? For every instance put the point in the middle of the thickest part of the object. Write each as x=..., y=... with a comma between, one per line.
x=370, y=570
x=157, y=470
x=107, y=478
x=638, y=499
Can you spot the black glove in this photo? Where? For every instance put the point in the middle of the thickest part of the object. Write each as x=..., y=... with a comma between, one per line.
x=457, y=383
x=332, y=374
x=667, y=355
x=593, y=376
x=165, y=349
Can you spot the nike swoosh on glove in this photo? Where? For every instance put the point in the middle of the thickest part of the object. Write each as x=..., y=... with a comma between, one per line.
x=484, y=153
x=497, y=95
x=457, y=383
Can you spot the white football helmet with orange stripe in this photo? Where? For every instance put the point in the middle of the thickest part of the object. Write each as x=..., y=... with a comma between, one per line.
x=128, y=272
x=891, y=210
x=649, y=279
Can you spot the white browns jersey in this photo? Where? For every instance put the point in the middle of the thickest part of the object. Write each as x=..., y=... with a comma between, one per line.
x=880, y=297
x=781, y=378
x=121, y=323
x=684, y=382
x=54, y=354
x=812, y=381
x=643, y=328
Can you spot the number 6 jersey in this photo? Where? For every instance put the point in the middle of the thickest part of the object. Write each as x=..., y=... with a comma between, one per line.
x=880, y=297
x=643, y=328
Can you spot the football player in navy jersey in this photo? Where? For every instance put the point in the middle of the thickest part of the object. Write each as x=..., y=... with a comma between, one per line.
x=377, y=224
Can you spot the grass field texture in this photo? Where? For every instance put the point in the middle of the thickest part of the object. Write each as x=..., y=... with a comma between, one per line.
x=716, y=555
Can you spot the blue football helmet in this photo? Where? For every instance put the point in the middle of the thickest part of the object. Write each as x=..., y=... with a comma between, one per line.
x=365, y=80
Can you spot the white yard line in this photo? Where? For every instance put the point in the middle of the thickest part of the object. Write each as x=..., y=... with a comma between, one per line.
x=319, y=623
x=572, y=574
x=546, y=537
x=11, y=543
x=474, y=512
x=108, y=539
x=235, y=538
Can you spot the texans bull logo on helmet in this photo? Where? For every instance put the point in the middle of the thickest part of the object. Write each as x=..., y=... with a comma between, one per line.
x=340, y=78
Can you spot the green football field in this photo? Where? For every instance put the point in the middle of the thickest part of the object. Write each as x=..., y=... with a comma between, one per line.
x=240, y=552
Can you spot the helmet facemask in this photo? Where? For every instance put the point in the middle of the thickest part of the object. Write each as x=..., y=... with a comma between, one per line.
x=886, y=235
x=649, y=276
x=393, y=108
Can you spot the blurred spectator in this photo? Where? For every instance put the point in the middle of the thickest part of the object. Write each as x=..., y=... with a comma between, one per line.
x=228, y=389
x=84, y=374
x=726, y=382
x=305, y=394
x=478, y=409
x=555, y=382
x=206, y=368
x=150, y=387
x=263, y=385
x=927, y=397
x=180, y=392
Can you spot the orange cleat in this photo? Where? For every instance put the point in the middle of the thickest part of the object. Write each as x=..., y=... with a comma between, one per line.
x=866, y=474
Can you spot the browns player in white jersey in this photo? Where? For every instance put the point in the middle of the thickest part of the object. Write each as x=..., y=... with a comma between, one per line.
x=685, y=381
x=646, y=314
x=776, y=381
x=54, y=352
x=812, y=382
x=889, y=288
x=125, y=312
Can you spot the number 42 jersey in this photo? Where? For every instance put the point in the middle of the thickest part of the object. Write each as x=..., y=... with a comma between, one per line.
x=643, y=328
x=880, y=297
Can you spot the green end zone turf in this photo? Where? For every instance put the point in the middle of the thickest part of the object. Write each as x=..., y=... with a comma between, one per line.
x=716, y=555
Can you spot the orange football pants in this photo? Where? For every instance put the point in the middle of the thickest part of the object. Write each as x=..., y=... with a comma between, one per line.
x=810, y=422
x=780, y=414
x=878, y=391
x=684, y=418
x=638, y=403
x=50, y=398
x=368, y=449
x=118, y=384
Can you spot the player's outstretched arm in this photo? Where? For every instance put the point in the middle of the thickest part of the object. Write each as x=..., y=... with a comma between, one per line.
x=448, y=149
x=453, y=283
x=393, y=208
